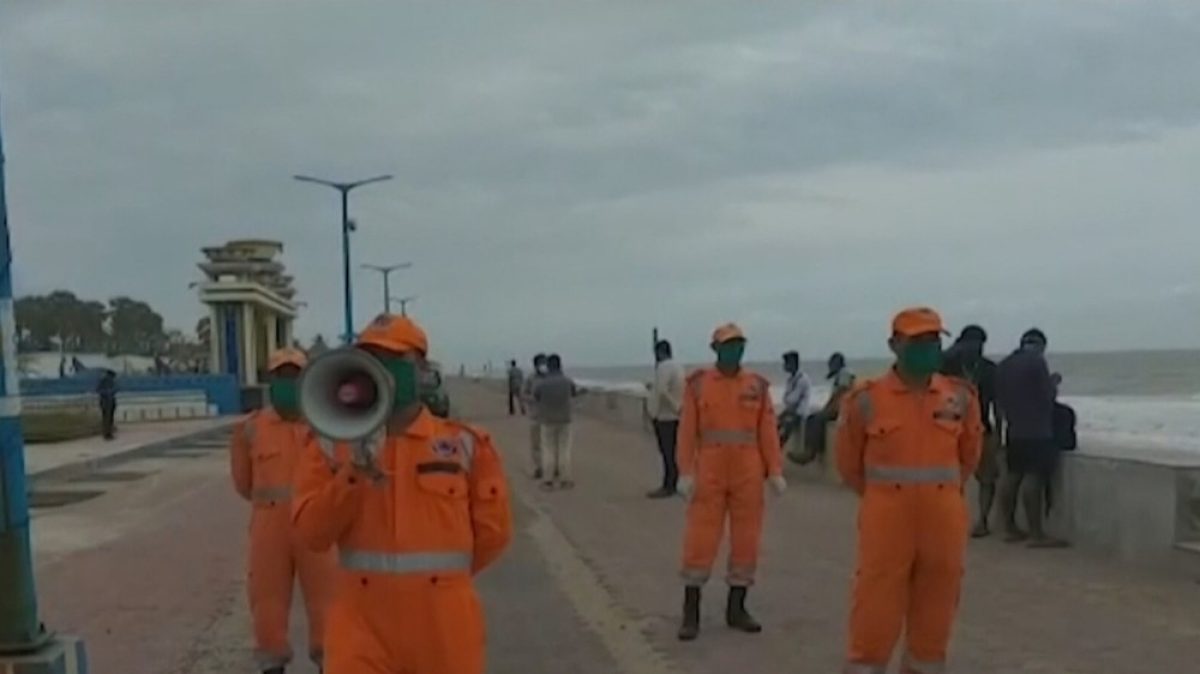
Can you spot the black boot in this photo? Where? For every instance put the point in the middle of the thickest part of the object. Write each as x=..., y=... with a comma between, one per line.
x=736, y=615
x=690, y=628
x=275, y=670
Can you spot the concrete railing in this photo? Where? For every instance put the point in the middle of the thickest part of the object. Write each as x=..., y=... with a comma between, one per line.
x=1138, y=506
x=219, y=390
x=132, y=407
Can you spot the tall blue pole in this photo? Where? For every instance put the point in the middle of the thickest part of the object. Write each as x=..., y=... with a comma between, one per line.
x=348, y=293
x=20, y=630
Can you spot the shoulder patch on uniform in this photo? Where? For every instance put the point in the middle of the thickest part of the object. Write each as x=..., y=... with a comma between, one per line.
x=697, y=375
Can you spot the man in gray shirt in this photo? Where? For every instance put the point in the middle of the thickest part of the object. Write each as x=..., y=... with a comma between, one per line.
x=531, y=410
x=554, y=395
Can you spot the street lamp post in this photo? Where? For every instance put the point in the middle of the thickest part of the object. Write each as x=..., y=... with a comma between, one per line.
x=403, y=302
x=347, y=227
x=386, y=271
x=23, y=638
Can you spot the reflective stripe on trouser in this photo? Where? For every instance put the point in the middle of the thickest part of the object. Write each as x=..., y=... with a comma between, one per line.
x=717, y=436
x=404, y=562
x=269, y=494
x=912, y=666
x=742, y=503
x=857, y=668
x=914, y=474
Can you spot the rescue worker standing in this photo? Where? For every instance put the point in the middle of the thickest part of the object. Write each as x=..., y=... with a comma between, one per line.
x=412, y=523
x=265, y=450
x=727, y=446
x=907, y=443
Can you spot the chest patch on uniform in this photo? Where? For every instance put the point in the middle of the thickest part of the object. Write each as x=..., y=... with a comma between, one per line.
x=953, y=408
x=447, y=448
x=750, y=395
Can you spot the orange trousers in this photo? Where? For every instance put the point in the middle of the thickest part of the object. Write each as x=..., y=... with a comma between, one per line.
x=911, y=544
x=728, y=483
x=276, y=559
x=415, y=624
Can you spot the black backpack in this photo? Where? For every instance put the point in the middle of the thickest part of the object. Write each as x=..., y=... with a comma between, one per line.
x=1064, y=427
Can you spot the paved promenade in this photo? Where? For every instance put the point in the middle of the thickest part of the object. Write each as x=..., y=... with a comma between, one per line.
x=150, y=572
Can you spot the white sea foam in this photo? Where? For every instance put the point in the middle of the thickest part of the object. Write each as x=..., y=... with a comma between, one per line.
x=1160, y=422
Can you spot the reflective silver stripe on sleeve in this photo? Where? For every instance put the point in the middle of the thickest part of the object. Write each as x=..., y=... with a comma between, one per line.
x=854, y=668
x=468, y=445
x=271, y=494
x=913, y=474
x=924, y=667
x=866, y=408
x=727, y=437
x=404, y=562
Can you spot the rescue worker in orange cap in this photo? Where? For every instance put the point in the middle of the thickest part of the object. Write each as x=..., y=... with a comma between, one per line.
x=727, y=447
x=265, y=450
x=907, y=443
x=412, y=523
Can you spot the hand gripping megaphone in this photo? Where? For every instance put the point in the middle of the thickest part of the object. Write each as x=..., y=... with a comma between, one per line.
x=346, y=395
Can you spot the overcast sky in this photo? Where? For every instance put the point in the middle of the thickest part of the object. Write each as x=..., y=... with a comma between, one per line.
x=570, y=174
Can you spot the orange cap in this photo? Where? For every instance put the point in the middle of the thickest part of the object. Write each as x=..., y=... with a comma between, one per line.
x=727, y=333
x=287, y=356
x=395, y=333
x=917, y=321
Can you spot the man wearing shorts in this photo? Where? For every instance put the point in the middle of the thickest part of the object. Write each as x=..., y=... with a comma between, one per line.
x=1025, y=393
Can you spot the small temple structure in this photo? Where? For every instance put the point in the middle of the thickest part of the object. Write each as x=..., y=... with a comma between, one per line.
x=251, y=307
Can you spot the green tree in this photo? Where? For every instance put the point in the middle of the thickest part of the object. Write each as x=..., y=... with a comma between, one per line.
x=135, y=328
x=60, y=320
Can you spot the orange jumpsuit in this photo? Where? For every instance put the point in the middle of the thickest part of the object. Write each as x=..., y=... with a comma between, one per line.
x=263, y=456
x=409, y=543
x=908, y=454
x=728, y=445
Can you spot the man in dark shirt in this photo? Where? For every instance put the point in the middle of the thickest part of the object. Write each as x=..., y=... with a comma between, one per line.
x=106, y=391
x=1025, y=395
x=965, y=360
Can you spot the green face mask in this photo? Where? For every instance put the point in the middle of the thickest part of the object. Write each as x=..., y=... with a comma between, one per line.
x=285, y=396
x=404, y=373
x=730, y=353
x=921, y=359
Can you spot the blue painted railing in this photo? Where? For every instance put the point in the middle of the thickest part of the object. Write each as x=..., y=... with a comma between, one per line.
x=219, y=389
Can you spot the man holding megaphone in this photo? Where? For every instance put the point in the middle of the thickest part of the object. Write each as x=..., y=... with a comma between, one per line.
x=264, y=452
x=415, y=504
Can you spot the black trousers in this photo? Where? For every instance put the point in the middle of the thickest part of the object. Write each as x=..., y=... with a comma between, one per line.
x=666, y=432
x=108, y=413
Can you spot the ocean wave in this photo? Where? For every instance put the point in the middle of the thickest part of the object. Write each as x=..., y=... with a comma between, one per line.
x=1168, y=422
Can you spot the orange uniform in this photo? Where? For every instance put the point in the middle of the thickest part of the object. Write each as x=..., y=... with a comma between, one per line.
x=263, y=456
x=409, y=542
x=728, y=445
x=907, y=452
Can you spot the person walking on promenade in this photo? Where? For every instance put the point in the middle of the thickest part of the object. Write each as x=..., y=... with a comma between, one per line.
x=531, y=411
x=265, y=450
x=515, y=380
x=728, y=447
x=965, y=360
x=666, y=398
x=1025, y=392
x=413, y=522
x=555, y=395
x=906, y=443
x=106, y=393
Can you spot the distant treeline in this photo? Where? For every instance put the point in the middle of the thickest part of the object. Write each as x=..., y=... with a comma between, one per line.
x=63, y=321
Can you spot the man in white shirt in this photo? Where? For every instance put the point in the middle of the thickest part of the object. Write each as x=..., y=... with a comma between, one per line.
x=795, y=399
x=666, y=399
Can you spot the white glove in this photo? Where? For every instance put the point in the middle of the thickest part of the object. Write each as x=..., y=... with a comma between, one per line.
x=778, y=484
x=685, y=486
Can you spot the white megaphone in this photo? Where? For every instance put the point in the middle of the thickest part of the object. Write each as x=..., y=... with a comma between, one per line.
x=346, y=395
